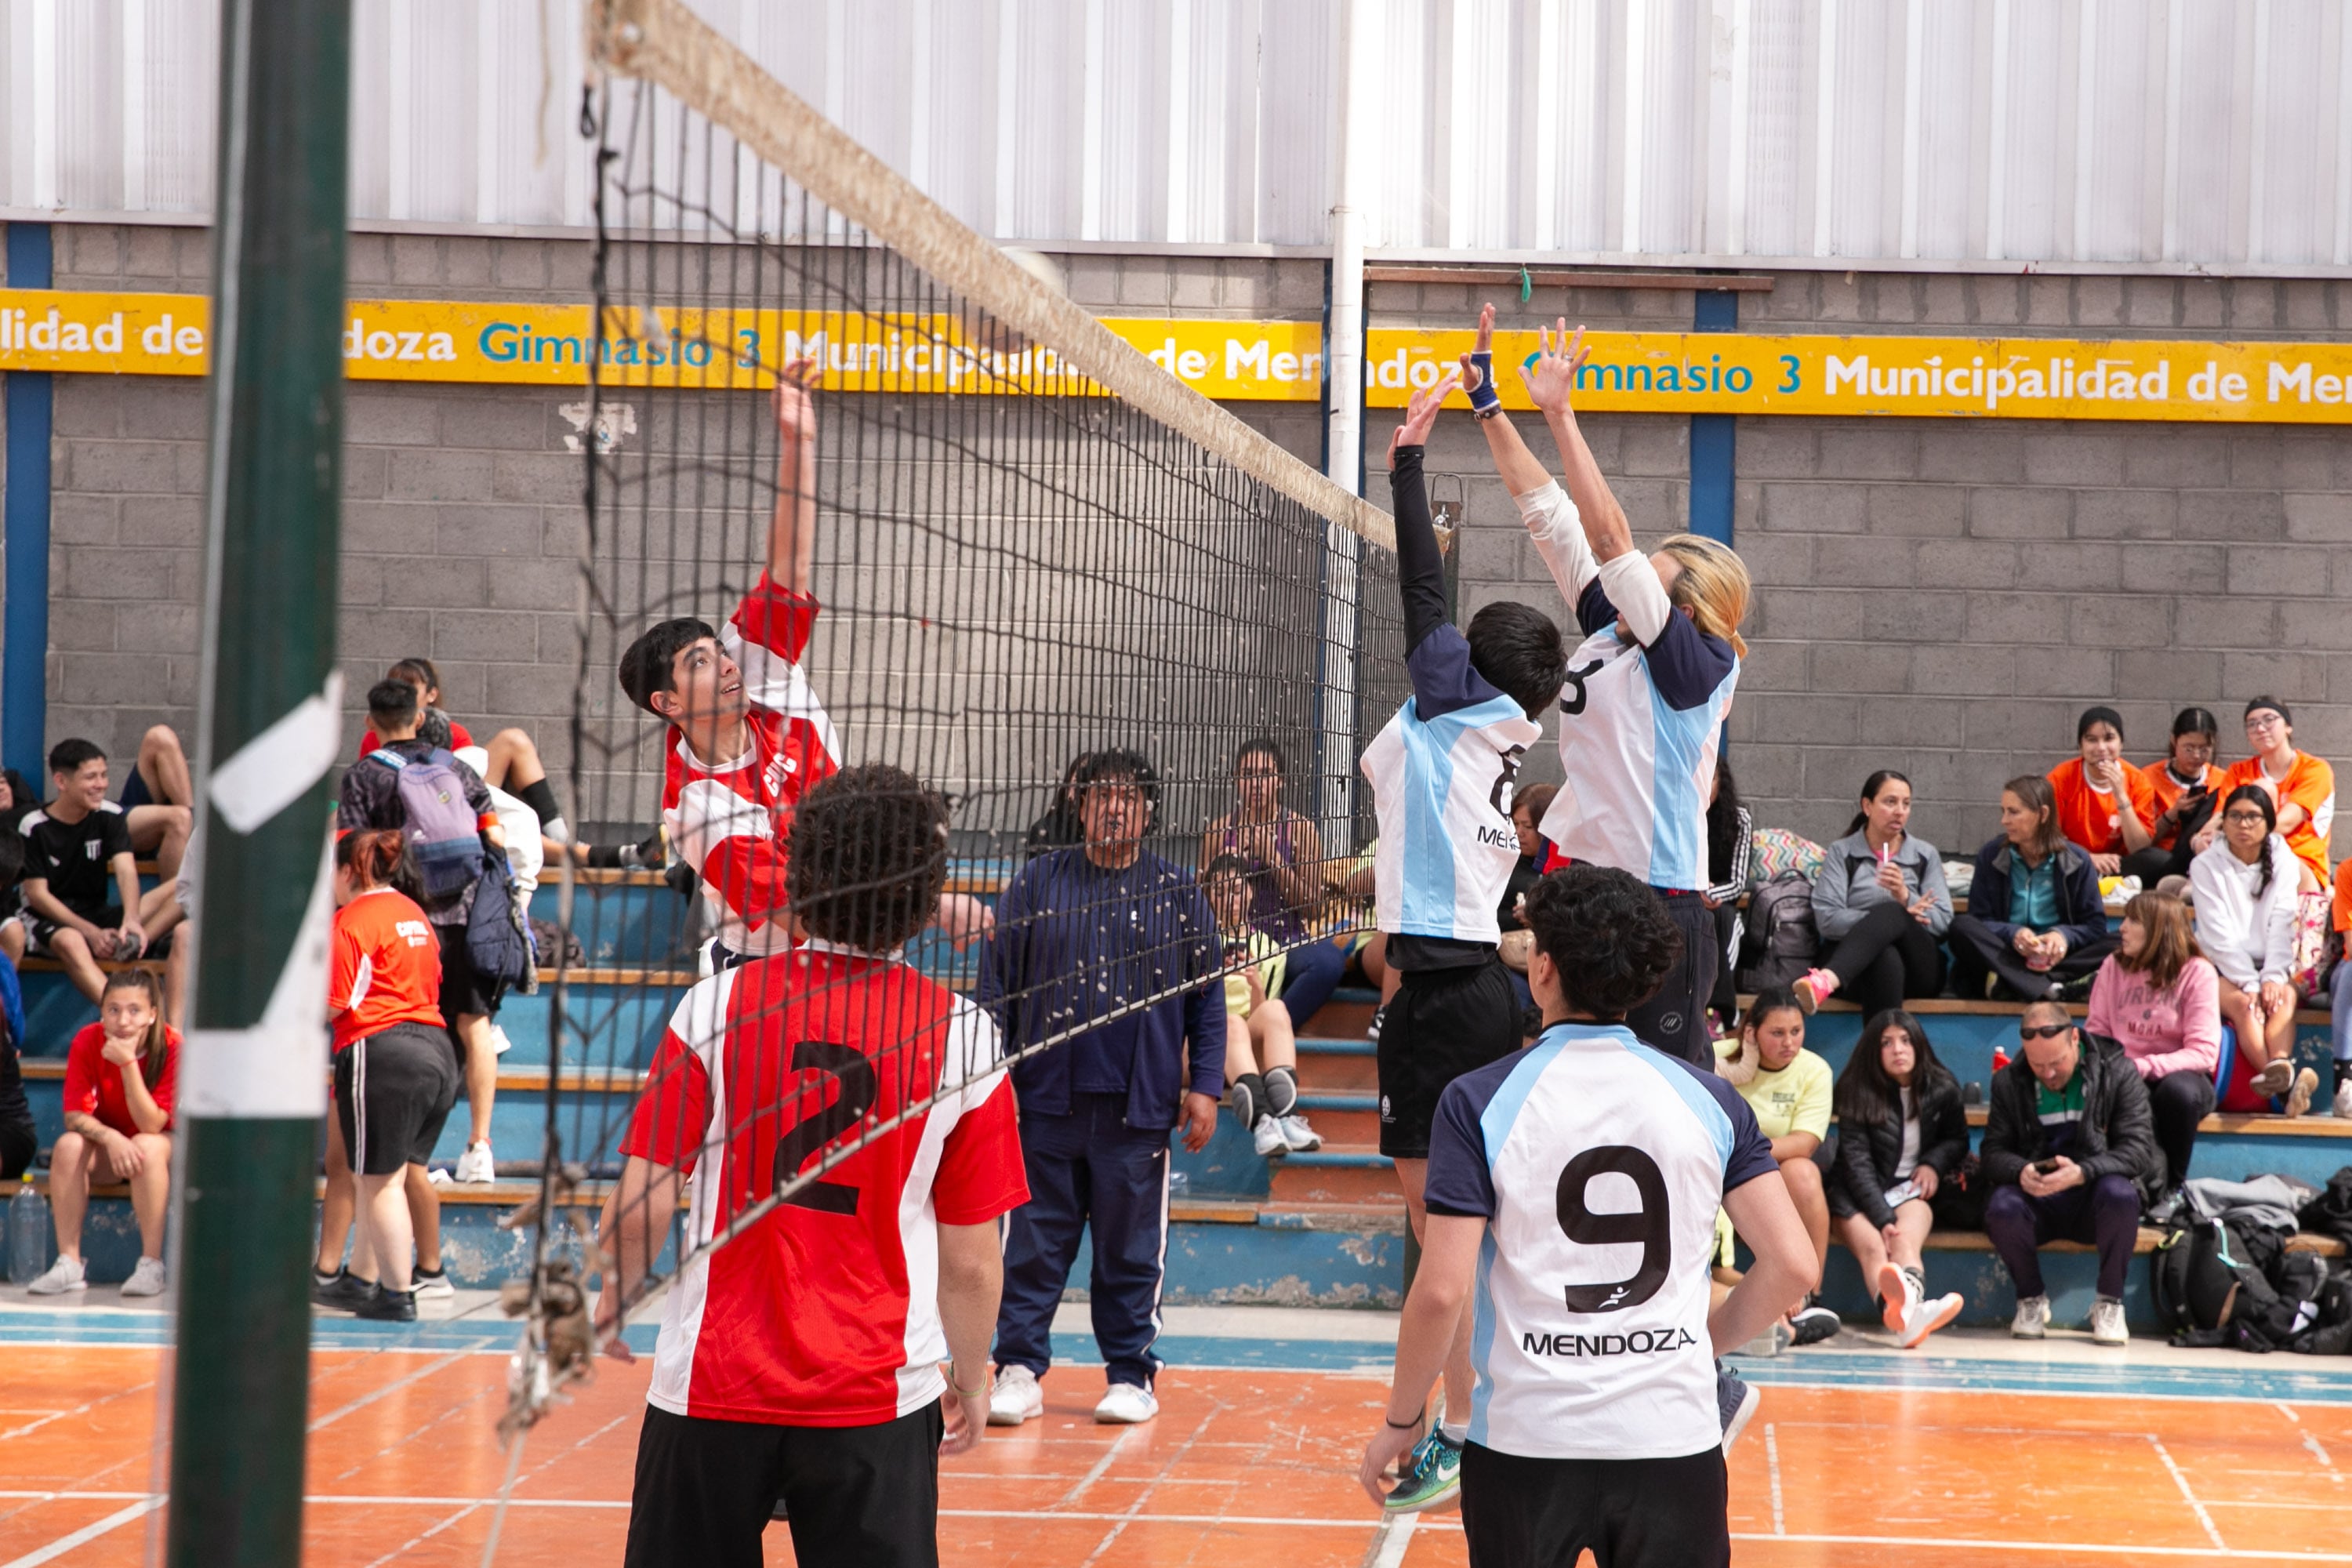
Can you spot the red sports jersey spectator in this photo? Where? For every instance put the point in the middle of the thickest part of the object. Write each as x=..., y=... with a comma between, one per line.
x=2104, y=804
x=803, y=1355
x=119, y=1076
x=395, y=1078
x=2300, y=785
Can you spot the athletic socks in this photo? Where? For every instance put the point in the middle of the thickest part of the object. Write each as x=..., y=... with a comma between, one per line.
x=541, y=797
x=1250, y=1097
x=1281, y=1090
x=1454, y=1432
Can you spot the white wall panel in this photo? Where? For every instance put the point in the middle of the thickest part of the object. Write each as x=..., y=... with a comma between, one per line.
x=2116, y=132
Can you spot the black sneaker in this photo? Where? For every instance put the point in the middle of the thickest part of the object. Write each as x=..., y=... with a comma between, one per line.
x=1814, y=1324
x=1735, y=1405
x=388, y=1307
x=342, y=1293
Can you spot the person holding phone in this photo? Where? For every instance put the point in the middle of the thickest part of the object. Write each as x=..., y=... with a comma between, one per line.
x=2181, y=788
x=2069, y=1154
x=1901, y=1137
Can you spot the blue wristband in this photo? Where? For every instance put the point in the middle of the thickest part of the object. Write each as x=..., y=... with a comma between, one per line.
x=1484, y=396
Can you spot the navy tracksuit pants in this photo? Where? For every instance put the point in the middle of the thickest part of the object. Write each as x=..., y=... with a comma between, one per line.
x=1087, y=1170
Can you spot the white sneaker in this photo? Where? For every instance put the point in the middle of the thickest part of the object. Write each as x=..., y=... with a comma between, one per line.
x=432, y=1287
x=1928, y=1315
x=1016, y=1397
x=1304, y=1139
x=1898, y=1295
x=499, y=1044
x=1125, y=1403
x=2344, y=1097
x=64, y=1275
x=1266, y=1136
x=475, y=1165
x=2108, y=1326
x=2276, y=1078
x=2033, y=1320
x=146, y=1279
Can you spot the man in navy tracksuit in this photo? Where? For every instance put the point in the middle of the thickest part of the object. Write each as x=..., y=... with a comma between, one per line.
x=1082, y=933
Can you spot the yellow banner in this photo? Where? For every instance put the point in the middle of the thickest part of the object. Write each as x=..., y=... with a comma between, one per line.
x=1655, y=373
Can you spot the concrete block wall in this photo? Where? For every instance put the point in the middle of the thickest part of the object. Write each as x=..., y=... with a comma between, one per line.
x=1938, y=595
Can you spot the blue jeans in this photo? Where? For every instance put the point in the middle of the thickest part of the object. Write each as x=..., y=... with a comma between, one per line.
x=1310, y=975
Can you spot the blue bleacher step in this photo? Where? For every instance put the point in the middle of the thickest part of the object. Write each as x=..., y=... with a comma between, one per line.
x=1337, y=1100
x=1341, y=1160
x=1310, y=1045
x=1361, y=994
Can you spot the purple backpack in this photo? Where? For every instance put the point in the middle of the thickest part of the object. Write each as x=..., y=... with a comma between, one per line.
x=444, y=836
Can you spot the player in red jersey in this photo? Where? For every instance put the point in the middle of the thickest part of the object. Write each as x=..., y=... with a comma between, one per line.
x=801, y=1360
x=747, y=734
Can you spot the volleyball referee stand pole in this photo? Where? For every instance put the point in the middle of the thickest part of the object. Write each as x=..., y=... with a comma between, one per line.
x=268, y=717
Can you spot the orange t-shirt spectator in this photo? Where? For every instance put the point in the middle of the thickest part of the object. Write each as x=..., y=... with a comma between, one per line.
x=2104, y=804
x=386, y=966
x=2302, y=786
x=2185, y=764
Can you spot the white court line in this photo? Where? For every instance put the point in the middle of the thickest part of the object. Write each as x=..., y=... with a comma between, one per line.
x=1391, y=1540
x=53, y=1415
x=2288, y=1411
x=1096, y=1474
x=1136, y=1507
x=2182, y=1482
x=364, y=1400
x=1772, y=1468
x=87, y=1533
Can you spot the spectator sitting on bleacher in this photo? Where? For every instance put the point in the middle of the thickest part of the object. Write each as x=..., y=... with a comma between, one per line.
x=1880, y=903
x=2302, y=787
x=2246, y=892
x=1730, y=860
x=1260, y=1047
x=1527, y=808
x=2340, y=913
x=2183, y=788
x=120, y=1077
x=1902, y=1136
x=510, y=762
x=158, y=801
x=2104, y=804
x=2035, y=922
x=2068, y=1156
x=1787, y=1088
x=373, y=798
x=2155, y=996
x=1283, y=855
x=78, y=849
x=17, y=803
x=19, y=1141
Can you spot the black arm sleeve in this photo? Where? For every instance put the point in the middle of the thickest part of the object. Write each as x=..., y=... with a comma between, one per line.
x=1421, y=569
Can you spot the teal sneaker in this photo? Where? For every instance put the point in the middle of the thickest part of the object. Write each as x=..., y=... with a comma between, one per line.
x=1432, y=1476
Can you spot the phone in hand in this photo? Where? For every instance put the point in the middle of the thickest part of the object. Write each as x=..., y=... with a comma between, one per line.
x=2047, y=1167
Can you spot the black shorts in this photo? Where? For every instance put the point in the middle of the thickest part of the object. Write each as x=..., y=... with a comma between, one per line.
x=864, y=1495
x=463, y=988
x=1633, y=1513
x=42, y=932
x=1442, y=1023
x=392, y=1092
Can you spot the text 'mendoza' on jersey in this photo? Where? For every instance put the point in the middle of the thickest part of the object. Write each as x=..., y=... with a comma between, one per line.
x=730, y=821
x=1598, y=1163
x=823, y=1312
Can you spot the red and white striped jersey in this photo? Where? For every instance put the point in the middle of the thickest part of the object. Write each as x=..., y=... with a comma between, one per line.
x=730, y=821
x=825, y=1312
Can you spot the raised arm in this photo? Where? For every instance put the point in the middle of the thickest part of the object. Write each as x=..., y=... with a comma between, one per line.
x=1552, y=385
x=792, y=533
x=1550, y=517
x=1421, y=568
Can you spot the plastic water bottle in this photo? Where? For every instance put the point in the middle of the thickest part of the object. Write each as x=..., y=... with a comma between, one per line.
x=28, y=1233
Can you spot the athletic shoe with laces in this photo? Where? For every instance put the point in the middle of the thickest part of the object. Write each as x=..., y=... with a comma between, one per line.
x=1016, y=1397
x=2033, y=1320
x=1814, y=1324
x=1735, y=1403
x=2276, y=1078
x=1301, y=1138
x=388, y=1307
x=1814, y=987
x=432, y=1286
x=2343, y=1099
x=342, y=1293
x=1897, y=1292
x=1266, y=1137
x=65, y=1274
x=1928, y=1314
x=1431, y=1477
x=2108, y=1325
x=476, y=1166
x=146, y=1279
x=1126, y=1405
x=2298, y=1098
x=499, y=1044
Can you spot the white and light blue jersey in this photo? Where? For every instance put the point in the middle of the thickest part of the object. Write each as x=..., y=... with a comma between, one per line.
x=1598, y=1163
x=1442, y=773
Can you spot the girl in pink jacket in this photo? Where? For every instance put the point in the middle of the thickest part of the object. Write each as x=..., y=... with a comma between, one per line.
x=2158, y=997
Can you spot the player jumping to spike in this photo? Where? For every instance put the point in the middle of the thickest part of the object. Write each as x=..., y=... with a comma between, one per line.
x=1441, y=773
x=747, y=735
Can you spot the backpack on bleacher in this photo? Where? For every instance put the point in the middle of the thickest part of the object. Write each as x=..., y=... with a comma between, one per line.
x=444, y=836
x=1783, y=939
x=2207, y=1273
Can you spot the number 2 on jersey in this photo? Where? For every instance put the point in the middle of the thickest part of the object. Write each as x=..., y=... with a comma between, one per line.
x=1652, y=1225
x=850, y=1069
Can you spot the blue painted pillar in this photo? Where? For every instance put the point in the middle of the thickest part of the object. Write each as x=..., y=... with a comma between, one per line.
x=25, y=533
x=1712, y=436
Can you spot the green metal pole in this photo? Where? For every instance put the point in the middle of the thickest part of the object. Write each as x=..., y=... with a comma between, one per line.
x=252, y=1092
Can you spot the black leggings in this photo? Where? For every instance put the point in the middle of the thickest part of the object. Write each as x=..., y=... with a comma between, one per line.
x=2153, y=863
x=1885, y=958
x=1977, y=951
x=2176, y=1102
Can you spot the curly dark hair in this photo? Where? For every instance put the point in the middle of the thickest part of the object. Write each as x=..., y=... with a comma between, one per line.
x=1607, y=934
x=869, y=857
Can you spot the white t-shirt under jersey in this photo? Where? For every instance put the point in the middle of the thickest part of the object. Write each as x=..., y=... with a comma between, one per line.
x=1598, y=1164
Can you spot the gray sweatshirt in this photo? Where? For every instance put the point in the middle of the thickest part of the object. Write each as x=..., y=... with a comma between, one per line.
x=1847, y=888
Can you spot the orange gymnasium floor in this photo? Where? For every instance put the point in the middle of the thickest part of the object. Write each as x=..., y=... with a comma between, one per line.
x=1983, y=1452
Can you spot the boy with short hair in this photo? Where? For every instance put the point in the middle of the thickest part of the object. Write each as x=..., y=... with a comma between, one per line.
x=78, y=849
x=1441, y=773
x=1595, y=1422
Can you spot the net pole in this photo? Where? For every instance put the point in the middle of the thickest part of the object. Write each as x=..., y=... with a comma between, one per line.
x=268, y=725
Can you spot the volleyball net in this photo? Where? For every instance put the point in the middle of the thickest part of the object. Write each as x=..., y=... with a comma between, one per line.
x=987, y=586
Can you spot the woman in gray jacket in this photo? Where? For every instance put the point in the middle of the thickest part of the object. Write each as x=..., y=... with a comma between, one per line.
x=1881, y=904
